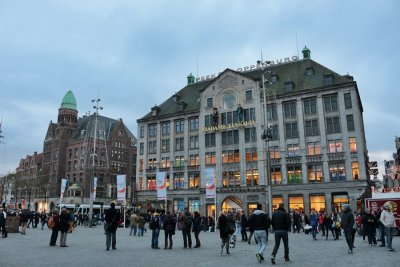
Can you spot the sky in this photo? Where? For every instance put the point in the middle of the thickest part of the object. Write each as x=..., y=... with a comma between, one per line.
x=136, y=54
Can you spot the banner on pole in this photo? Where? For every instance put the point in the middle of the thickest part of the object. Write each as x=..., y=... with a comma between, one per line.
x=211, y=189
x=63, y=186
x=94, y=187
x=161, y=186
x=121, y=187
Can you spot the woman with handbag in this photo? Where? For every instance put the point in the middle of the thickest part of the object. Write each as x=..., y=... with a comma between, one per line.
x=224, y=232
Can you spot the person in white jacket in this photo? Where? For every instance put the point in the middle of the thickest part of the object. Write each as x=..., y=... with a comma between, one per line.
x=388, y=220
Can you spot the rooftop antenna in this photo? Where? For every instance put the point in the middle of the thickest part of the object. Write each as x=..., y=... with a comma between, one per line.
x=1, y=136
x=297, y=46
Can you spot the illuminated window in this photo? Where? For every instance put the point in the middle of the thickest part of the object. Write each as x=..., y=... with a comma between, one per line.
x=230, y=156
x=293, y=150
x=251, y=154
x=275, y=202
x=339, y=200
x=313, y=148
x=210, y=158
x=337, y=171
x=194, y=160
x=141, y=164
x=276, y=175
x=151, y=183
x=296, y=203
x=353, y=144
x=274, y=152
x=355, y=170
x=251, y=177
x=194, y=180
x=179, y=161
x=165, y=163
x=315, y=173
x=317, y=203
x=294, y=174
x=335, y=146
x=179, y=181
x=231, y=179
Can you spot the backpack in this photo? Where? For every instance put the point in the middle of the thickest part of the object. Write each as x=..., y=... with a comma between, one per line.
x=51, y=223
x=188, y=221
x=153, y=223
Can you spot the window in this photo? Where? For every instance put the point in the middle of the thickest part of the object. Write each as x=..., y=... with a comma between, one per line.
x=250, y=135
x=251, y=154
x=210, y=158
x=337, y=171
x=293, y=150
x=165, y=128
x=317, y=203
x=141, y=164
x=151, y=183
x=310, y=106
x=352, y=144
x=291, y=130
x=209, y=139
x=179, y=144
x=347, y=100
x=315, y=173
x=230, y=156
x=288, y=86
x=313, y=148
x=274, y=152
x=312, y=127
x=350, y=123
x=251, y=177
x=250, y=114
x=276, y=175
x=272, y=115
x=179, y=161
x=141, y=148
x=179, y=126
x=231, y=179
x=294, y=174
x=335, y=146
x=332, y=125
x=289, y=109
x=152, y=130
x=249, y=95
x=165, y=163
x=229, y=101
x=208, y=120
x=194, y=142
x=165, y=145
x=194, y=180
x=152, y=147
x=230, y=137
x=179, y=181
x=330, y=103
x=194, y=124
x=210, y=102
x=354, y=170
x=194, y=160
x=296, y=203
x=229, y=117
x=275, y=132
x=141, y=131
x=309, y=71
x=152, y=164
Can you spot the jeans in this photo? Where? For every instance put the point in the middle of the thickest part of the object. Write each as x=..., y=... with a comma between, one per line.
x=154, y=237
x=53, y=238
x=168, y=236
x=244, y=233
x=63, y=239
x=141, y=231
x=281, y=234
x=382, y=237
x=187, y=237
x=111, y=238
x=261, y=236
x=314, y=232
x=349, y=238
x=134, y=230
x=196, y=236
x=389, y=236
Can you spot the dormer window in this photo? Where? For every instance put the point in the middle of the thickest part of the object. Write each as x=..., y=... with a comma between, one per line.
x=288, y=86
x=175, y=98
x=309, y=71
x=274, y=77
x=328, y=79
x=181, y=106
x=155, y=110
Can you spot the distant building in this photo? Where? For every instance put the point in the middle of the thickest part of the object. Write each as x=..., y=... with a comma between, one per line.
x=318, y=150
x=68, y=152
x=391, y=177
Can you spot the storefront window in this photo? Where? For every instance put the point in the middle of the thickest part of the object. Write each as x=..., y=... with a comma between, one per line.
x=339, y=200
x=276, y=201
x=296, y=203
x=179, y=204
x=231, y=179
x=252, y=177
x=317, y=203
x=194, y=204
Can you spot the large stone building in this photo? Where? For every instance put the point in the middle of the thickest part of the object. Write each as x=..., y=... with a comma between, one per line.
x=317, y=147
x=73, y=151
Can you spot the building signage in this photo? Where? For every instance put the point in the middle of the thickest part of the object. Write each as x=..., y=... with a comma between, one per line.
x=252, y=67
x=238, y=124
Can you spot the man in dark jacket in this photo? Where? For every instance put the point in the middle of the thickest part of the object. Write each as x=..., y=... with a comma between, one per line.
x=260, y=223
x=281, y=225
x=347, y=226
x=111, y=220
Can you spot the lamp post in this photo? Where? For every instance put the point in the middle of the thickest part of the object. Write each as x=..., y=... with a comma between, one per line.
x=266, y=136
x=94, y=155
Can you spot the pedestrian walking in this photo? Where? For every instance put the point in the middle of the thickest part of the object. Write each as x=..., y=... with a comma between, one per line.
x=388, y=220
x=314, y=224
x=261, y=224
x=3, y=220
x=243, y=221
x=110, y=226
x=251, y=229
x=381, y=227
x=225, y=231
x=43, y=219
x=348, y=221
x=281, y=225
x=141, y=223
x=134, y=223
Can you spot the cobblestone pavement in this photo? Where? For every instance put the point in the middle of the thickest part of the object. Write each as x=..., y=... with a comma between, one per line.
x=87, y=248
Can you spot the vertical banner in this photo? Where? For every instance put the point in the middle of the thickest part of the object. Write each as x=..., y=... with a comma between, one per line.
x=161, y=186
x=211, y=189
x=63, y=186
x=94, y=187
x=121, y=187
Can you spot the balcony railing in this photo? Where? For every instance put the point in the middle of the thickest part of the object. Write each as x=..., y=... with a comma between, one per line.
x=336, y=156
x=293, y=160
x=314, y=158
x=275, y=162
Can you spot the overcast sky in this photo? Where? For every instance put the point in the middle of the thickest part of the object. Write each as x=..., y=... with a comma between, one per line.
x=136, y=54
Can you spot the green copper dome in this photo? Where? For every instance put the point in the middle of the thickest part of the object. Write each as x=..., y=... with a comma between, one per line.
x=69, y=101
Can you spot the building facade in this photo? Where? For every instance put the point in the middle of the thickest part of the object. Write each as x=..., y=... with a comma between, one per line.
x=78, y=149
x=316, y=145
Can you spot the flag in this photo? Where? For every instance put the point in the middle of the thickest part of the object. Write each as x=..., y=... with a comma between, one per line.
x=161, y=186
x=121, y=187
x=211, y=189
x=63, y=186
